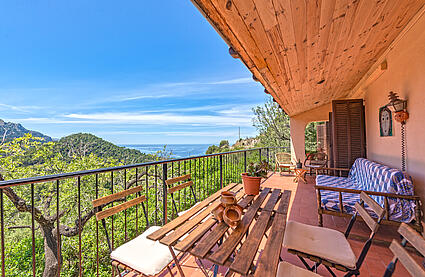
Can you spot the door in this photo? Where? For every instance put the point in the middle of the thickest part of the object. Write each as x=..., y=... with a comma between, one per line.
x=348, y=132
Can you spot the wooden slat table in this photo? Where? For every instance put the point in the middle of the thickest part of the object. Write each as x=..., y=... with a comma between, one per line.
x=197, y=233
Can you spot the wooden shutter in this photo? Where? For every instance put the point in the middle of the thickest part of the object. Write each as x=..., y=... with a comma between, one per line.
x=348, y=132
x=329, y=142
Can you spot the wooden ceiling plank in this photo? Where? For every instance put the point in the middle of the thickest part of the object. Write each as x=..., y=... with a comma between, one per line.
x=347, y=81
x=326, y=14
x=368, y=56
x=313, y=25
x=339, y=17
x=299, y=20
x=248, y=11
x=357, y=32
x=338, y=60
x=284, y=16
x=275, y=39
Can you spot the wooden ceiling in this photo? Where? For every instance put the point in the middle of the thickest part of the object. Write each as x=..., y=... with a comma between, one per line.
x=308, y=52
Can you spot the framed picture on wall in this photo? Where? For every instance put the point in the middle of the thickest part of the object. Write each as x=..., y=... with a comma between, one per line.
x=385, y=122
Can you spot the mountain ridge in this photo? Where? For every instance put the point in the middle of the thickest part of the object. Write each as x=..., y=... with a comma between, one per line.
x=11, y=130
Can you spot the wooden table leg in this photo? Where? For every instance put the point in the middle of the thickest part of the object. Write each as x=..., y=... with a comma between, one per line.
x=176, y=261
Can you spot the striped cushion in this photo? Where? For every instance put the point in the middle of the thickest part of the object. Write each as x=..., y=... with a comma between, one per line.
x=370, y=176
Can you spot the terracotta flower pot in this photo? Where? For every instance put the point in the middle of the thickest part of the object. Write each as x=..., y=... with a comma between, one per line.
x=251, y=185
x=218, y=212
x=232, y=216
x=228, y=198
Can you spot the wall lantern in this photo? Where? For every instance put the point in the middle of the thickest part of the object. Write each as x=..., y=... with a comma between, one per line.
x=401, y=115
x=399, y=106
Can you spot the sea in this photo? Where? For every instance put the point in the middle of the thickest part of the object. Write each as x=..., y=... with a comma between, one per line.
x=176, y=150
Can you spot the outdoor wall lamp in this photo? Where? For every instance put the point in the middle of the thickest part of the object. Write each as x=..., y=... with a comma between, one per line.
x=401, y=115
x=399, y=106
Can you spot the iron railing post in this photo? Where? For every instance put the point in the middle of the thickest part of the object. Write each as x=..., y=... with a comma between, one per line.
x=268, y=160
x=259, y=155
x=244, y=160
x=221, y=171
x=164, y=193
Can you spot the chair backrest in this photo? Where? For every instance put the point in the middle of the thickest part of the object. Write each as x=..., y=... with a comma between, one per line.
x=377, y=209
x=283, y=158
x=369, y=220
x=318, y=158
x=178, y=183
x=102, y=202
x=400, y=253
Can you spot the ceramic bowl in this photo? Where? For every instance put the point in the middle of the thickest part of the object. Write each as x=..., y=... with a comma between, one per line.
x=228, y=198
x=232, y=216
x=218, y=212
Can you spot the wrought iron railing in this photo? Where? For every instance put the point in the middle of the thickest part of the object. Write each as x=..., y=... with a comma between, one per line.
x=31, y=244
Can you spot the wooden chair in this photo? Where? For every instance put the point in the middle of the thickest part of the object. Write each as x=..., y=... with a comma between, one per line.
x=330, y=247
x=400, y=253
x=182, y=182
x=139, y=256
x=283, y=161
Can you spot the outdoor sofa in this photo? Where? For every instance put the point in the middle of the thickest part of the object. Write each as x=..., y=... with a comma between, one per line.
x=391, y=188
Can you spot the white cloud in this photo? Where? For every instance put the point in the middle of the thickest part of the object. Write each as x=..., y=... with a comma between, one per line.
x=24, y=109
x=172, y=133
x=161, y=119
x=232, y=81
x=142, y=118
x=170, y=90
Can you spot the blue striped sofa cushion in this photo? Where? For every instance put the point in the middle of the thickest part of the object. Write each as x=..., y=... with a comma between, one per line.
x=370, y=176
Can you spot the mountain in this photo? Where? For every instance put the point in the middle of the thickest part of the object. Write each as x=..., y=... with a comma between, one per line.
x=83, y=144
x=10, y=131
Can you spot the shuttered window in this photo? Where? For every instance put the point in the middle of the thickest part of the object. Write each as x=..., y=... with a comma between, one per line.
x=348, y=132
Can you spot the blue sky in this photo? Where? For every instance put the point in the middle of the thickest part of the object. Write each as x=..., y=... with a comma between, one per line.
x=131, y=72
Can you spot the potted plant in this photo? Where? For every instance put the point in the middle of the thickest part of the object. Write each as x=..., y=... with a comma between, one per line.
x=252, y=178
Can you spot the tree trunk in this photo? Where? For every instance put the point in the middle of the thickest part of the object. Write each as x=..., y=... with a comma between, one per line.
x=51, y=266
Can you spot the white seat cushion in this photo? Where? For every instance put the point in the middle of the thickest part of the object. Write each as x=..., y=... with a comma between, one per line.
x=144, y=255
x=322, y=242
x=286, y=269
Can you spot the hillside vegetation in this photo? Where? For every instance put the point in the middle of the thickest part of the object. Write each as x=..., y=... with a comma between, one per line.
x=82, y=144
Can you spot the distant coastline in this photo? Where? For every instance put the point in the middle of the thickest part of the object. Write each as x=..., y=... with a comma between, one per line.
x=177, y=150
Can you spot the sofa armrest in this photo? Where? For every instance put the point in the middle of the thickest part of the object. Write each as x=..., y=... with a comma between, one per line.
x=335, y=168
x=357, y=191
x=418, y=211
x=336, y=171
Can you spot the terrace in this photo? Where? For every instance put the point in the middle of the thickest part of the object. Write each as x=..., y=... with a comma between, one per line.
x=333, y=61
x=303, y=209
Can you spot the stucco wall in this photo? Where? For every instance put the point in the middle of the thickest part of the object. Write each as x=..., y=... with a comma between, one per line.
x=406, y=76
x=298, y=124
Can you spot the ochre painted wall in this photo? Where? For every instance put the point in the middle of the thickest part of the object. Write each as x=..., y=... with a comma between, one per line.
x=406, y=76
x=298, y=124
